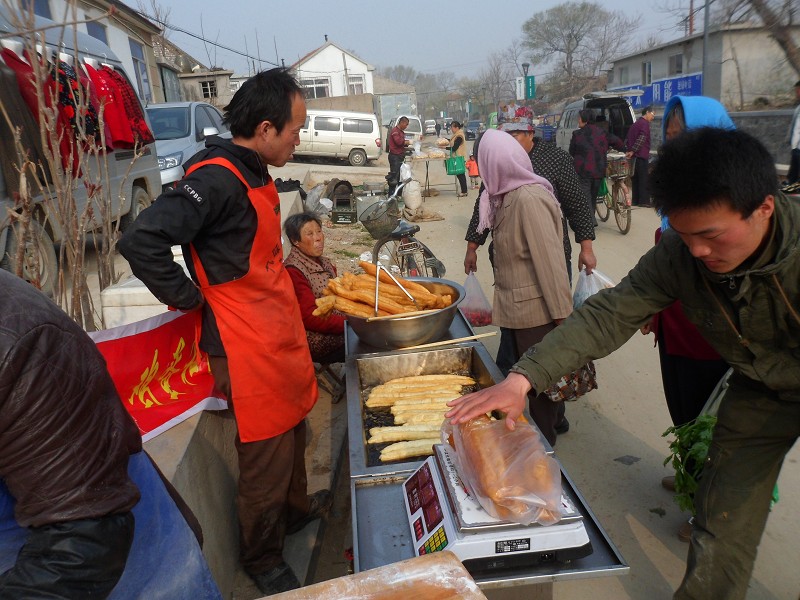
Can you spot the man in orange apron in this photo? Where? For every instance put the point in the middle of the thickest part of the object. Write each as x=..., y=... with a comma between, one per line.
x=226, y=215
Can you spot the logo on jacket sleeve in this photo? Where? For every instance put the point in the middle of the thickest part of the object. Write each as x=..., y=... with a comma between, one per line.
x=192, y=193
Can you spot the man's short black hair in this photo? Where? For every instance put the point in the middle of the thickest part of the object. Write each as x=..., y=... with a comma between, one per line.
x=647, y=109
x=797, y=84
x=266, y=96
x=705, y=166
x=401, y=119
x=586, y=115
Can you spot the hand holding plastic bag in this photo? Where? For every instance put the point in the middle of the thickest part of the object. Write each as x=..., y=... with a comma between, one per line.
x=589, y=285
x=507, y=472
x=475, y=306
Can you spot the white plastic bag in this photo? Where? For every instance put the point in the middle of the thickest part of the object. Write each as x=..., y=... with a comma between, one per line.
x=507, y=472
x=412, y=195
x=589, y=285
x=405, y=171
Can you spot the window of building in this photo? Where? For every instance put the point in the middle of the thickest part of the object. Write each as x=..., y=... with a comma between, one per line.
x=140, y=70
x=171, y=85
x=96, y=30
x=623, y=75
x=647, y=73
x=209, y=89
x=357, y=126
x=326, y=123
x=40, y=7
x=317, y=87
x=675, y=64
x=355, y=84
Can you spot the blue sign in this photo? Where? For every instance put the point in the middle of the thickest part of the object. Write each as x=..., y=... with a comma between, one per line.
x=659, y=92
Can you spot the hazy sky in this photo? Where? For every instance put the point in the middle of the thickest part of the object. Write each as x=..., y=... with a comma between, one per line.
x=429, y=36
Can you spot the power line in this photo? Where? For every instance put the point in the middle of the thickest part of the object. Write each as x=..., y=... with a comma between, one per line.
x=203, y=39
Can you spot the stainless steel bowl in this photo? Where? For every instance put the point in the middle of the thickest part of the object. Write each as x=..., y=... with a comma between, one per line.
x=403, y=332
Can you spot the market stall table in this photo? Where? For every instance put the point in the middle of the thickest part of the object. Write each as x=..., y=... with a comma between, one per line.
x=381, y=532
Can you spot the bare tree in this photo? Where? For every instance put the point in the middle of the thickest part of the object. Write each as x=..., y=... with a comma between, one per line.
x=156, y=12
x=401, y=73
x=578, y=37
x=777, y=16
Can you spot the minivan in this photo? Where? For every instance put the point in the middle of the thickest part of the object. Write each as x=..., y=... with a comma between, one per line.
x=131, y=184
x=612, y=108
x=413, y=132
x=340, y=134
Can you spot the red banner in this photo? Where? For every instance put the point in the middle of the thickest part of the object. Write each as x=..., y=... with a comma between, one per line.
x=160, y=374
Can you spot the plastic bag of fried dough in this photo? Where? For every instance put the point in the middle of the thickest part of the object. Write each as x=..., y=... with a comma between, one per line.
x=507, y=472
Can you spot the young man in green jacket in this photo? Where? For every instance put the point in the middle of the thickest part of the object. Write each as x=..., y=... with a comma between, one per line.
x=732, y=257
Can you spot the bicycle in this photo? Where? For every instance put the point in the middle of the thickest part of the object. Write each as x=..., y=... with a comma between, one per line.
x=396, y=247
x=619, y=171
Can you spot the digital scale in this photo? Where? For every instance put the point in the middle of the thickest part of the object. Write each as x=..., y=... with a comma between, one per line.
x=443, y=516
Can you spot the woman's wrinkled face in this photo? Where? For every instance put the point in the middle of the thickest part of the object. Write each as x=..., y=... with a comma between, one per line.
x=312, y=240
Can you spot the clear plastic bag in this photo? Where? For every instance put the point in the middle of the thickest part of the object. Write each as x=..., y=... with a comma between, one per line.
x=507, y=472
x=405, y=171
x=589, y=285
x=475, y=306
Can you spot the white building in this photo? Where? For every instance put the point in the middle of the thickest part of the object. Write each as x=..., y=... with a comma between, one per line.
x=127, y=33
x=331, y=71
x=745, y=66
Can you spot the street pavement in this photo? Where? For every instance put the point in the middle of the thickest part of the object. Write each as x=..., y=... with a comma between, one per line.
x=614, y=450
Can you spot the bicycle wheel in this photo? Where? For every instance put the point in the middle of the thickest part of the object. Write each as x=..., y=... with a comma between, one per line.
x=385, y=251
x=622, y=210
x=410, y=257
x=601, y=207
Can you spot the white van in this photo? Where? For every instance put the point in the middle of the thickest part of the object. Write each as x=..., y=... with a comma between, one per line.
x=340, y=134
x=131, y=185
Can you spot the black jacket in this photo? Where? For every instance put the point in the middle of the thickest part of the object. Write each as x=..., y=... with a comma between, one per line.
x=210, y=210
x=65, y=436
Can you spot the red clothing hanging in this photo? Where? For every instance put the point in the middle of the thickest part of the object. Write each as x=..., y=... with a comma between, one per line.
x=141, y=132
x=121, y=134
x=64, y=131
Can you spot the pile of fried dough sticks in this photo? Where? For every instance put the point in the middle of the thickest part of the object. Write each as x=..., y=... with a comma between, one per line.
x=418, y=405
x=355, y=295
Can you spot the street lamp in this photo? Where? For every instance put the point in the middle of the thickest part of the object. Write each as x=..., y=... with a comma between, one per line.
x=525, y=67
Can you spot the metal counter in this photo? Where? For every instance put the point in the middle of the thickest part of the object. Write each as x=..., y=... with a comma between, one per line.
x=381, y=536
x=381, y=533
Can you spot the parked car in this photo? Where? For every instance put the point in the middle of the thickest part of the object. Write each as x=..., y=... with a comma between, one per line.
x=130, y=183
x=413, y=132
x=181, y=129
x=609, y=107
x=344, y=134
x=472, y=129
x=430, y=127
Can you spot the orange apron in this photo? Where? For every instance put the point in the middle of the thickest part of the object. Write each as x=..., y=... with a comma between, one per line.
x=272, y=376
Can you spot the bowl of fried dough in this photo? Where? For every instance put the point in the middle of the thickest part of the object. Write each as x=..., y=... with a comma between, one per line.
x=400, y=322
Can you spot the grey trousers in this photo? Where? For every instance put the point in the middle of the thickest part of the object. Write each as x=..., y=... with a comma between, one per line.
x=755, y=429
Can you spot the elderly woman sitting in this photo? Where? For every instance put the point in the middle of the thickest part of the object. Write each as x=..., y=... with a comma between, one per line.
x=310, y=272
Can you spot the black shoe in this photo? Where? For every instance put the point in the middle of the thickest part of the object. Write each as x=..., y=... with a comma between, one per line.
x=563, y=426
x=319, y=505
x=276, y=580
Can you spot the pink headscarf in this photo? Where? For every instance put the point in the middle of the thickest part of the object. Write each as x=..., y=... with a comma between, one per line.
x=504, y=166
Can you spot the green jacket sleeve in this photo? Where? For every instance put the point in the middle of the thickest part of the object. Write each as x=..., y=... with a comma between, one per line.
x=604, y=323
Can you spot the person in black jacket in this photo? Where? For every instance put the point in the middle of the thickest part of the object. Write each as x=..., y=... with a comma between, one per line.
x=226, y=215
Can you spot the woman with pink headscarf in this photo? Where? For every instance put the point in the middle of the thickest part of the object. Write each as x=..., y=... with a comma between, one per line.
x=531, y=292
